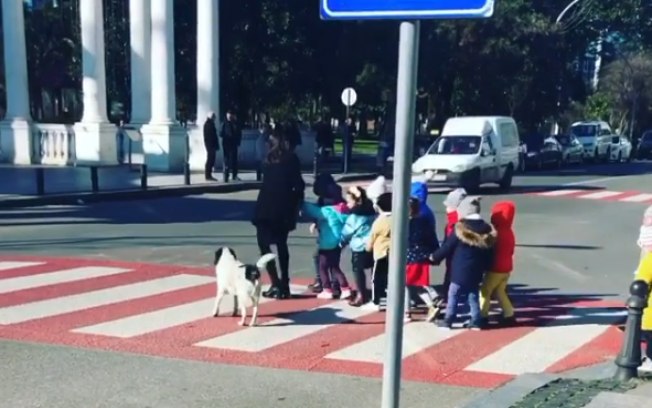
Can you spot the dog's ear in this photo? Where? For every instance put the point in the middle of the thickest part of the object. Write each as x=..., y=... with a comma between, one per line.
x=218, y=255
x=232, y=253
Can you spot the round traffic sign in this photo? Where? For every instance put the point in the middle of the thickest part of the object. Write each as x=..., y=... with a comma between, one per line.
x=349, y=97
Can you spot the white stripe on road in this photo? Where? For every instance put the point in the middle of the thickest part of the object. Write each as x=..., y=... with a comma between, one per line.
x=55, y=277
x=600, y=195
x=162, y=319
x=7, y=265
x=416, y=337
x=279, y=331
x=557, y=193
x=540, y=349
x=73, y=303
x=639, y=198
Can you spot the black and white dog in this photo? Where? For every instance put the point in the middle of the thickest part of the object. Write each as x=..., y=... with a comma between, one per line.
x=240, y=280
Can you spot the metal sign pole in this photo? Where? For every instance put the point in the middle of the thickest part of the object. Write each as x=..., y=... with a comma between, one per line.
x=408, y=61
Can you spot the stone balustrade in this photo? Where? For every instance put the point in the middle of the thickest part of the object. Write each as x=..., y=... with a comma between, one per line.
x=53, y=144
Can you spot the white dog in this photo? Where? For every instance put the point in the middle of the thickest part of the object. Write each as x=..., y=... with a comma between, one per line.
x=240, y=280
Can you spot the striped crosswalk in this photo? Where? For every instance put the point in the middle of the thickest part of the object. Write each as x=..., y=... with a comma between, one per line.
x=166, y=311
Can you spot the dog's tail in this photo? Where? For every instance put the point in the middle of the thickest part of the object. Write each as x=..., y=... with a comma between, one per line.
x=264, y=260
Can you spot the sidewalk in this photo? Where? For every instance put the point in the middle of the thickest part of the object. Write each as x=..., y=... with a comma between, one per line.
x=590, y=387
x=71, y=185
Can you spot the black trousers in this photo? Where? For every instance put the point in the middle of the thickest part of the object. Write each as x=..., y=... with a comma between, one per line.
x=266, y=237
x=380, y=274
x=210, y=162
x=359, y=262
x=230, y=162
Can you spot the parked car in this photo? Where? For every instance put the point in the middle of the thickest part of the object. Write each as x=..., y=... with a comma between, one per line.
x=543, y=153
x=621, y=149
x=572, y=150
x=644, y=148
x=595, y=136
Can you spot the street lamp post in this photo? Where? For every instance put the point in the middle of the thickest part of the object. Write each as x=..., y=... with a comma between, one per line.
x=560, y=84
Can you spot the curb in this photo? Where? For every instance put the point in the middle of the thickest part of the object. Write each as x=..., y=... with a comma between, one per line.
x=125, y=195
x=512, y=392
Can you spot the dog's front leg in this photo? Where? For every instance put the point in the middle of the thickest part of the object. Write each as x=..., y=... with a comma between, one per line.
x=255, y=300
x=218, y=300
x=235, y=306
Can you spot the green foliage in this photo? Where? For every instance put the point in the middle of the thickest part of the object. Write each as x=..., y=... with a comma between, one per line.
x=278, y=57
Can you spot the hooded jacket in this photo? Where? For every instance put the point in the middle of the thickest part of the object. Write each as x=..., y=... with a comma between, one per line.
x=357, y=228
x=470, y=248
x=330, y=222
x=502, y=218
x=419, y=190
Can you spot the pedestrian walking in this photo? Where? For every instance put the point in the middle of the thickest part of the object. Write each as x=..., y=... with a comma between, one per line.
x=452, y=201
x=471, y=248
x=379, y=244
x=211, y=144
x=330, y=222
x=276, y=211
x=644, y=273
x=231, y=136
x=496, y=280
x=355, y=234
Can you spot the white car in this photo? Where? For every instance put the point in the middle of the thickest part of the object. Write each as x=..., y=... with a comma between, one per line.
x=472, y=151
x=595, y=137
x=621, y=149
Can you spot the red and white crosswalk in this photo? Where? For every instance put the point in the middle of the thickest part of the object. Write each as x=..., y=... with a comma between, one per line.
x=165, y=311
x=600, y=195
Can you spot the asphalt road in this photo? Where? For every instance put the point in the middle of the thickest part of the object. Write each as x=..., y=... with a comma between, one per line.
x=572, y=246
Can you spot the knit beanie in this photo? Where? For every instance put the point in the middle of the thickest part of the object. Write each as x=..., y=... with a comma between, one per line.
x=376, y=188
x=469, y=206
x=455, y=197
x=645, y=233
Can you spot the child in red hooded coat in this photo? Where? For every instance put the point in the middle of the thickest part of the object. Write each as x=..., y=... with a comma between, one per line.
x=495, y=281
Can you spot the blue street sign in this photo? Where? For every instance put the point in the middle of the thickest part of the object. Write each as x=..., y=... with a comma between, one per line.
x=405, y=9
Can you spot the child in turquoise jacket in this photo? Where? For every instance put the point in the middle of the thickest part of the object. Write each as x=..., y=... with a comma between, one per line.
x=355, y=234
x=330, y=222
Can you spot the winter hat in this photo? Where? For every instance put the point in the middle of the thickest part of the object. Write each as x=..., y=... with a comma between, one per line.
x=455, y=197
x=376, y=188
x=645, y=234
x=384, y=202
x=469, y=206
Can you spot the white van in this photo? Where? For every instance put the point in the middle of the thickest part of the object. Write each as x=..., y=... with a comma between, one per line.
x=471, y=151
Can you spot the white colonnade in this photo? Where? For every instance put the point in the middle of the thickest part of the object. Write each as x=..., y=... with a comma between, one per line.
x=153, y=85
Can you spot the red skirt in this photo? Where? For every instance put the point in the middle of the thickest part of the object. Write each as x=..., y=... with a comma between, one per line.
x=417, y=274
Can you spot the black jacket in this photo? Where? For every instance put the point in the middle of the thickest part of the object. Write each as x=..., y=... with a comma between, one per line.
x=470, y=249
x=280, y=195
x=210, y=136
x=231, y=134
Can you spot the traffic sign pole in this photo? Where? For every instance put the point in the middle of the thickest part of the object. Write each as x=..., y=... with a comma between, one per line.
x=408, y=62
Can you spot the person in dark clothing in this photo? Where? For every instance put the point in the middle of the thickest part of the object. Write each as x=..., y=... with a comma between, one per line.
x=212, y=145
x=470, y=247
x=293, y=134
x=324, y=137
x=277, y=209
x=231, y=135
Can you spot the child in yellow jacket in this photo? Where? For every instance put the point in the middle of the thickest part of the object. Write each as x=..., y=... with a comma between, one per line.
x=644, y=273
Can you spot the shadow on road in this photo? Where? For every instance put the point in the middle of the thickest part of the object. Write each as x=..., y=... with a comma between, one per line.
x=552, y=246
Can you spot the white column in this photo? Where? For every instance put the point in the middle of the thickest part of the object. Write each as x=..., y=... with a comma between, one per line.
x=95, y=137
x=164, y=141
x=15, y=134
x=208, y=59
x=93, y=65
x=164, y=105
x=140, y=33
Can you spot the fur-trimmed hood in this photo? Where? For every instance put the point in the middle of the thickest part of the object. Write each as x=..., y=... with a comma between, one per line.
x=476, y=233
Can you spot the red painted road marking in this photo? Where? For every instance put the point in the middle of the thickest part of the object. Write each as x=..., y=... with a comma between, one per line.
x=318, y=348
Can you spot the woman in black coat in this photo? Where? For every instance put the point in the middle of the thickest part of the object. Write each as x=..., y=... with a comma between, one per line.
x=277, y=210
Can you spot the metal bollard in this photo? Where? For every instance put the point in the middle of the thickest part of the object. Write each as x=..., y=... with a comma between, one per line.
x=40, y=181
x=95, y=185
x=186, y=164
x=629, y=358
x=143, y=176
